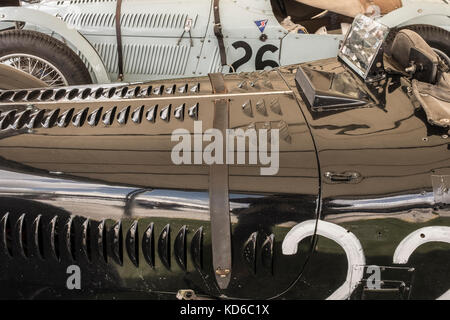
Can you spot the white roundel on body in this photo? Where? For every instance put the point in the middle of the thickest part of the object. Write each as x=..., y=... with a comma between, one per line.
x=417, y=238
x=347, y=240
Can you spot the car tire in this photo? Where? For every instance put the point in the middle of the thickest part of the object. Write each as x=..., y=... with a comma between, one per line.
x=436, y=37
x=19, y=47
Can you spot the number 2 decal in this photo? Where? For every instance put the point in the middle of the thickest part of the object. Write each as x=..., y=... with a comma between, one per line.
x=259, y=63
x=354, y=250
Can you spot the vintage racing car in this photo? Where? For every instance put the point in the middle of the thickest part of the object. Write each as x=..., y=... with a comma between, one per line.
x=357, y=205
x=160, y=39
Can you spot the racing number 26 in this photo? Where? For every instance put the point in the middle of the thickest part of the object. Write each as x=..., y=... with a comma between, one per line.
x=260, y=64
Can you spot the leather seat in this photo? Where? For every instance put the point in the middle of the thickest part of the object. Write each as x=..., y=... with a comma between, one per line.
x=433, y=95
x=404, y=41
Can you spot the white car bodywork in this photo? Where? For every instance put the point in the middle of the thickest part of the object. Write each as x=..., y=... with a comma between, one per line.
x=151, y=32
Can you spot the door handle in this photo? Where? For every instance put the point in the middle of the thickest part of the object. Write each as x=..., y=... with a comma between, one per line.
x=348, y=176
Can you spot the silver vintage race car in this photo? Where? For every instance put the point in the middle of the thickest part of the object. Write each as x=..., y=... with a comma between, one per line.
x=78, y=41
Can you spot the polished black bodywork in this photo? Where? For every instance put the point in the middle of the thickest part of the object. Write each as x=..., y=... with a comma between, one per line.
x=92, y=184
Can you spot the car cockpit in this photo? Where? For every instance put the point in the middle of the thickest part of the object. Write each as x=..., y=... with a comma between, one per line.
x=359, y=79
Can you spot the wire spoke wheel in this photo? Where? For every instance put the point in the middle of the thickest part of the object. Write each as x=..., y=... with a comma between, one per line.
x=37, y=67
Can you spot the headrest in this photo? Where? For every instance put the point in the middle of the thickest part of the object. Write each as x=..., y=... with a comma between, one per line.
x=404, y=41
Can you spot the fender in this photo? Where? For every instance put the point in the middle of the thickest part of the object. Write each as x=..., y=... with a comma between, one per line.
x=407, y=14
x=54, y=24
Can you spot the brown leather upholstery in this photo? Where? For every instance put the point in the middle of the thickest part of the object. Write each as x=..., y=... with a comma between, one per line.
x=351, y=8
x=435, y=100
x=404, y=41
